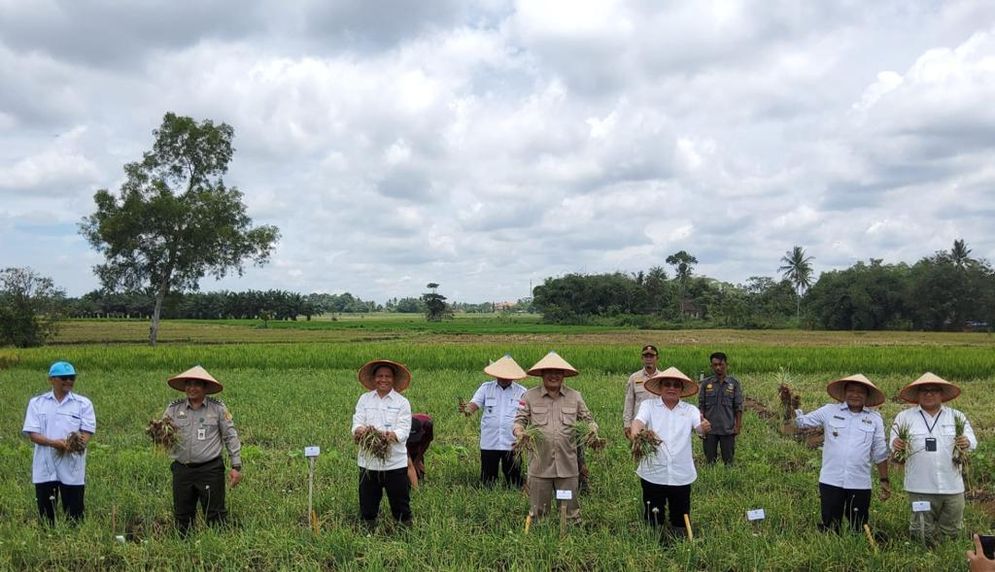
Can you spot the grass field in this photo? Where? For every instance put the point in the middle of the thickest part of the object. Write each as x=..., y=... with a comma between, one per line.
x=294, y=386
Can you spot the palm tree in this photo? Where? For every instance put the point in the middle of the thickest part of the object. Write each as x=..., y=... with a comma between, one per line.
x=797, y=269
x=960, y=254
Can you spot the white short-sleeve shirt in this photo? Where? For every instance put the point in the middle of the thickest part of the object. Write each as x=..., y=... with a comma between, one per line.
x=54, y=420
x=672, y=464
x=498, y=407
x=391, y=412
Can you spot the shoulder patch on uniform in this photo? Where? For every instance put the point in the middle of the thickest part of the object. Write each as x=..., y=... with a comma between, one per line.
x=224, y=407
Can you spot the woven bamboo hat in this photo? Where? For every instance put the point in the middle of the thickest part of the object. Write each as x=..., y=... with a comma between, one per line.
x=402, y=376
x=835, y=389
x=553, y=361
x=505, y=368
x=910, y=392
x=179, y=382
x=653, y=384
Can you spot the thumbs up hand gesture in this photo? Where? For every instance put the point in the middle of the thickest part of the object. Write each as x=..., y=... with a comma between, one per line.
x=705, y=426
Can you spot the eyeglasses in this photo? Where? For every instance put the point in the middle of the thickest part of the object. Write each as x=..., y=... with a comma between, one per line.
x=930, y=390
x=649, y=354
x=66, y=377
x=669, y=383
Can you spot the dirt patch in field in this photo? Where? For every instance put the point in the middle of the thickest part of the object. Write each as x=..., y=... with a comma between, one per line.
x=983, y=499
x=812, y=438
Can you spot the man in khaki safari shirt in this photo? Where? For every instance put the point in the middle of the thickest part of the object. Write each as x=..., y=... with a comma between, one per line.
x=635, y=391
x=553, y=408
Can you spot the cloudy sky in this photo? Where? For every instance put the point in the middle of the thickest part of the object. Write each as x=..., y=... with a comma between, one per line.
x=486, y=145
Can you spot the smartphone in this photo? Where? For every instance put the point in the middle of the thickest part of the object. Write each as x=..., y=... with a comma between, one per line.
x=988, y=545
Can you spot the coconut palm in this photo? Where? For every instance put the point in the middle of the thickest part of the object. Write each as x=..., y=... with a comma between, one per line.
x=960, y=254
x=797, y=269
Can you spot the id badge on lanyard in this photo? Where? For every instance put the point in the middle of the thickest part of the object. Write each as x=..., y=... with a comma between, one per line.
x=930, y=441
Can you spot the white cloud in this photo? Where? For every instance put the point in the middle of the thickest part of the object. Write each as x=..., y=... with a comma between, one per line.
x=484, y=144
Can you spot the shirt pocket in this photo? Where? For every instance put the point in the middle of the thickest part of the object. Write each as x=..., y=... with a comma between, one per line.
x=540, y=416
x=867, y=430
x=568, y=415
x=948, y=430
x=66, y=422
x=837, y=428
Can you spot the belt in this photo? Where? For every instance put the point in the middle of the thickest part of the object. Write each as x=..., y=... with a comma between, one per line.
x=198, y=465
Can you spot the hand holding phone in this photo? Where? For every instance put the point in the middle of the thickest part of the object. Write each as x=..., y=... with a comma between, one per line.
x=982, y=558
x=987, y=545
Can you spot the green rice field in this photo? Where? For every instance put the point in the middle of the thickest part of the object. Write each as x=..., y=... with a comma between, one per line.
x=295, y=385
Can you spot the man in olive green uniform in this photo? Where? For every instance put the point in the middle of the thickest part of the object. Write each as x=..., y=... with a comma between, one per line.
x=202, y=424
x=553, y=408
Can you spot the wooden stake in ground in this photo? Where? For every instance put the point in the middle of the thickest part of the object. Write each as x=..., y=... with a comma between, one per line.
x=870, y=538
x=687, y=525
x=563, y=519
x=311, y=453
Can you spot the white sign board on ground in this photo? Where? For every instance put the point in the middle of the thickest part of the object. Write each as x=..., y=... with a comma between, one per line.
x=755, y=514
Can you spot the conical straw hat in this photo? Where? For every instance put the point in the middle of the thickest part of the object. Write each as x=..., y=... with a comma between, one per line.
x=178, y=382
x=835, y=389
x=402, y=376
x=553, y=361
x=505, y=368
x=653, y=384
x=910, y=392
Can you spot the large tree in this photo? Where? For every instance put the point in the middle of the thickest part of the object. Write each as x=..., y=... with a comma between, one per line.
x=797, y=269
x=436, y=308
x=174, y=220
x=30, y=307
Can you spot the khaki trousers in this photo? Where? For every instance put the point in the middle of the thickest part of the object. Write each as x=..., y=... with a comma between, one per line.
x=945, y=516
x=542, y=491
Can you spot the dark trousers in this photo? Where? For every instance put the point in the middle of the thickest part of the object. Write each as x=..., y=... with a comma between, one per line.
x=659, y=497
x=47, y=494
x=489, y=461
x=837, y=502
x=198, y=482
x=372, y=485
x=712, y=443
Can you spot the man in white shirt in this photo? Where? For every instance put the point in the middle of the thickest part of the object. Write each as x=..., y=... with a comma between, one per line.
x=667, y=475
x=854, y=440
x=383, y=408
x=930, y=473
x=498, y=399
x=56, y=470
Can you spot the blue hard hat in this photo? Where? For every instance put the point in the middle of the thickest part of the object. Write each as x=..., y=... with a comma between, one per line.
x=61, y=368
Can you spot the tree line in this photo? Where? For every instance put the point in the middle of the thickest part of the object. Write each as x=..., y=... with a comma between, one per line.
x=949, y=290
